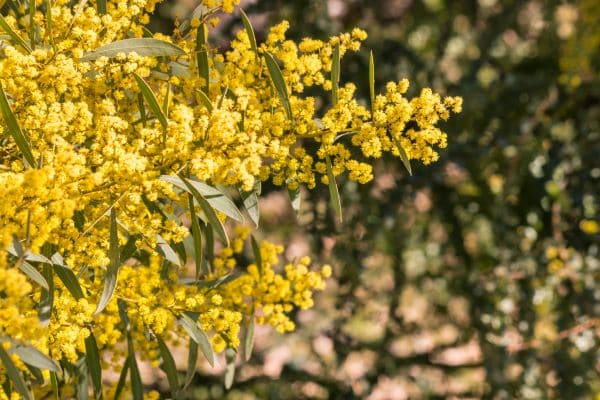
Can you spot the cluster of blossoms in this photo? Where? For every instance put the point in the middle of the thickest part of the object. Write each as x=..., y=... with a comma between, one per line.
x=111, y=139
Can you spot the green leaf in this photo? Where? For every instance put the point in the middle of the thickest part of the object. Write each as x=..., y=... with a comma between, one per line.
x=32, y=25
x=146, y=47
x=136, y=380
x=191, y=364
x=295, y=199
x=372, y=82
x=202, y=56
x=197, y=236
x=14, y=129
x=151, y=100
x=230, y=368
x=335, y=73
x=249, y=340
x=110, y=278
x=18, y=40
x=167, y=251
x=215, y=197
x=69, y=279
x=205, y=100
x=92, y=359
x=249, y=32
x=257, y=256
x=168, y=365
x=214, y=221
x=33, y=274
x=199, y=336
x=83, y=385
x=32, y=356
x=101, y=6
x=215, y=283
x=46, y=296
x=279, y=83
x=122, y=380
x=403, y=155
x=14, y=374
x=333, y=190
x=54, y=384
x=250, y=200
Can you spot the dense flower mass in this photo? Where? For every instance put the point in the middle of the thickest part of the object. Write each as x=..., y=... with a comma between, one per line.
x=119, y=153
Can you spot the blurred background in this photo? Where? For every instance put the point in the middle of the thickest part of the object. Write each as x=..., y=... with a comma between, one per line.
x=477, y=277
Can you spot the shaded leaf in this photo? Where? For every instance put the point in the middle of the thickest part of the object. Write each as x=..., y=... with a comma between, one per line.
x=249, y=32
x=13, y=373
x=114, y=253
x=372, y=82
x=92, y=359
x=214, y=221
x=122, y=380
x=146, y=47
x=202, y=56
x=333, y=190
x=191, y=363
x=14, y=36
x=168, y=365
x=101, y=6
x=279, y=83
x=205, y=100
x=197, y=236
x=257, y=256
x=14, y=129
x=167, y=251
x=250, y=200
x=46, y=296
x=403, y=155
x=230, y=368
x=68, y=278
x=335, y=73
x=151, y=100
x=295, y=199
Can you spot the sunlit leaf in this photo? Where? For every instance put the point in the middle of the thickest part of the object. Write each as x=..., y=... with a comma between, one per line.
x=32, y=356
x=205, y=100
x=403, y=155
x=197, y=236
x=372, y=82
x=230, y=368
x=249, y=340
x=335, y=73
x=33, y=274
x=199, y=336
x=295, y=199
x=202, y=56
x=146, y=47
x=250, y=200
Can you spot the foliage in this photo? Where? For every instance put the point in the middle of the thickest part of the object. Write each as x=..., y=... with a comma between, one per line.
x=122, y=153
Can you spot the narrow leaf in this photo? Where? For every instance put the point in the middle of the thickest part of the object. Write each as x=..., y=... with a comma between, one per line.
x=33, y=274
x=13, y=373
x=122, y=380
x=146, y=47
x=205, y=100
x=403, y=155
x=167, y=251
x=32, y=356
x=295, y=198
x=18, y=40
x=202, y=56
x=372, y=82
x=92, y=358
x=46, y=296
x=333, y=190
x=197, y=236
x=168, y=365
x=54, y=384
x=335, y=73
x=14, y=129
x=249, y=32
x=68, y=278
x=250, y=200
x=230, y=368
x=249, y=340
x=191, y=364
x=257, y=256
x=279, y=83
x=199, y=336
x=114, y=253
x=214, y=221
x=151, y=100
x=215, y=197
x=101, y=6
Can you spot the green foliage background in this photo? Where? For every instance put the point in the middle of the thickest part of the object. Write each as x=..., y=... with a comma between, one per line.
x=446, y=280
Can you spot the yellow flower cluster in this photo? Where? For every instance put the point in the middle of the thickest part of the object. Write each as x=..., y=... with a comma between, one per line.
x=100, y=118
